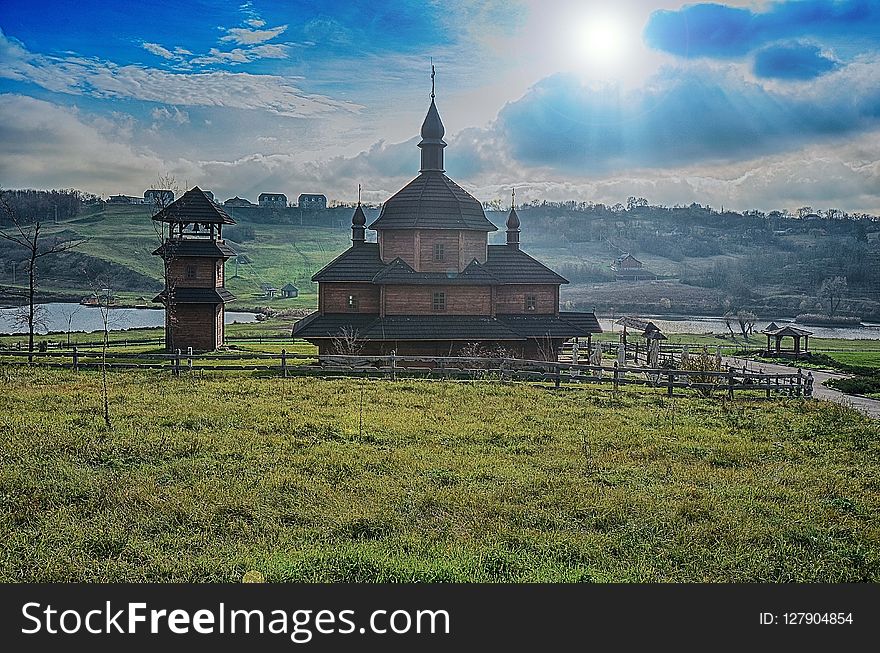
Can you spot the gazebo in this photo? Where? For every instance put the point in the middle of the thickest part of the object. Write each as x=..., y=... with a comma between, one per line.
x=778, y=333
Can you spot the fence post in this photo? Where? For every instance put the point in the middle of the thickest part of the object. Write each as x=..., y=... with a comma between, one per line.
x=616, y=376
x=800, y=382
x=75, y=359
x=730, y=383
x=189, y=360
x=558, y=378
x=669, y=383
x=177, y=362
x=393, y=364
x=768, y=387
x=284, y=363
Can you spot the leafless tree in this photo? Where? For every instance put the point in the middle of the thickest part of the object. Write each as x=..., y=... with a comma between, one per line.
x=69, y=314
x=348, y=342
x=161, y=202
x=29, y=236
x=546, y=348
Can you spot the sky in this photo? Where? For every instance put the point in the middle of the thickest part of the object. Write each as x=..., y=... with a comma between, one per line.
x=741, y=104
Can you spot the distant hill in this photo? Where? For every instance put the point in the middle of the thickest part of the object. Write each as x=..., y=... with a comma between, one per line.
x=706, y=261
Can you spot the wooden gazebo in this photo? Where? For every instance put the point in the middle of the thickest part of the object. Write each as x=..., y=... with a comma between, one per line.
x=777, y=333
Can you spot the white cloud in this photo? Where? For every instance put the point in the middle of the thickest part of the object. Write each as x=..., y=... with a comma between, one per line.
x=255, y=22
x=158, y=50
x=171, y=114
x=105, y=79
x=239, y=55
x=245, y=36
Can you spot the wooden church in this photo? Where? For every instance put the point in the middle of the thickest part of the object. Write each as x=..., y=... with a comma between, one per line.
x=431, y=284
x=194, y=253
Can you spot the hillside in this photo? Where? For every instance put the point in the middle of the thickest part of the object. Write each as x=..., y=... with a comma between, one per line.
x=443, y=482
x=706, y=262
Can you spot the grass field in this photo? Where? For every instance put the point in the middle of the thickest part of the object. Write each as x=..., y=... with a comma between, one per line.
x=207, y=478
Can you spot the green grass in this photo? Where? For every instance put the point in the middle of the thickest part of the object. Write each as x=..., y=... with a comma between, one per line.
x=205, y=478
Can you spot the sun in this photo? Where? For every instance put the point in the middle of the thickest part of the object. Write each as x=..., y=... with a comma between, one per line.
x=603, y=42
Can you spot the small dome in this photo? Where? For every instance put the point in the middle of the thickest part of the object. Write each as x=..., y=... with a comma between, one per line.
x=358, y=219
x=432, y=128
x=512, y=219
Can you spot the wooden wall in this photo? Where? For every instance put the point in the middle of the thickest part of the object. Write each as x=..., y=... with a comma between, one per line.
x=416, y=247
x=208, y=272
x=196, y=326
x=334, y=297
x=512, y=298
x=418, y=300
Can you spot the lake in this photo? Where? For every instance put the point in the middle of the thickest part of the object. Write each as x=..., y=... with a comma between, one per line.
x=699, y=324
x=89, y=319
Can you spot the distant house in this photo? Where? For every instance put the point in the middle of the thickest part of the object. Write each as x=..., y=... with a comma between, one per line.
x=273, y=200
x=158, y=197
x=268, y=290
x=237, y=201
x=628, y=268
x=125, y=199
x=289, y=291
x=309, y=201
x=628, y=262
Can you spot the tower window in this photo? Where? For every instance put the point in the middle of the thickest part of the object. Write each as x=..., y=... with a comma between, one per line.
x=439, y=301
x=352, y=302
x=190, y=271
x=439, y=253
x=531, y=302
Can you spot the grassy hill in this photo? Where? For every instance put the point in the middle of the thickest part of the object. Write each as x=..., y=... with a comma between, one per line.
x=444, y=482
x=708, y=263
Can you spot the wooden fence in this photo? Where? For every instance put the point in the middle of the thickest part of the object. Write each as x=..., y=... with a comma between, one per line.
x=705, y=382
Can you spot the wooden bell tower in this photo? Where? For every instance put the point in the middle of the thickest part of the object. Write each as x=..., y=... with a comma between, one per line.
x=194, y=254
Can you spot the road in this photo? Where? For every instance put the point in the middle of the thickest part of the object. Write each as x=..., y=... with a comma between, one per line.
x=870, y=407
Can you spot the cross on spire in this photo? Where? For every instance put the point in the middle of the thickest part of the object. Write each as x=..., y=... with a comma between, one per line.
x=513, y=197
x=359, y=193
x=432, y=78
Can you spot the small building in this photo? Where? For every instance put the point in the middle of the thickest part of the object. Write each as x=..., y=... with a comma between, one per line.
x=209, y=195
x=273, y=200
x=237, y=201
x=777, y=333
x=125, y=199
x=312, y=202
x=628, y=268
x=269, y=290
x=160, y=197
x=289, y=291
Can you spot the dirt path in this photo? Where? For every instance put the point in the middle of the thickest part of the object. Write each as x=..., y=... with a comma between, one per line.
x=870, y=407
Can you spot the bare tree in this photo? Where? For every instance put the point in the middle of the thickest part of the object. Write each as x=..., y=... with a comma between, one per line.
x=831, y=293
x=160, y=202
x=69, y=314
x=347, y=342
x=746, y=320
x=30, y=237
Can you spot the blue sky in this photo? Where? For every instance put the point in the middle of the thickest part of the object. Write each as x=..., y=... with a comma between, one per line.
x=749, y=104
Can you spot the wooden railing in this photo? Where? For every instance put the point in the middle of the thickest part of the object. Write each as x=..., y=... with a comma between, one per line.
x=706, y=382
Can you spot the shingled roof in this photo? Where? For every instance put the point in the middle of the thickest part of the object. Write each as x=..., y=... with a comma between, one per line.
x=360, y=263
x=512, y=265
x=448, y=327
x=565, y=325
x=198, y=296
x=401, y=272
x=194, y=247
x=194, y=207
x=433, y=201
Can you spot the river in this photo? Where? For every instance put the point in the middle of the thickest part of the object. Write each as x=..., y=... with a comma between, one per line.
x=699, y=324
x=56, y=314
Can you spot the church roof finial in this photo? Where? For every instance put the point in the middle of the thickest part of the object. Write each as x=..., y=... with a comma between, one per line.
x=432, y=78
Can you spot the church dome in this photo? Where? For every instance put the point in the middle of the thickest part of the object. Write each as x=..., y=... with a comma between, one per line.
x=432, y=128
x=433, y=201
